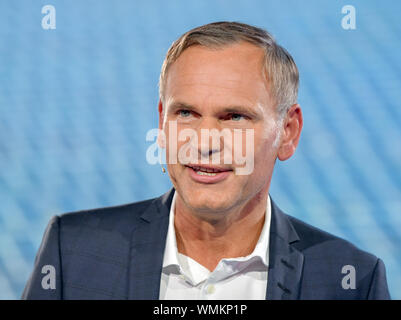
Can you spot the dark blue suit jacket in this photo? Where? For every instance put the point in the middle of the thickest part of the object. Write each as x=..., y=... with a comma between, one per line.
x=117, y=253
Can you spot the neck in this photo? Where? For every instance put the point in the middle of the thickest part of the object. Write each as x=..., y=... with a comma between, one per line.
x=233, y=234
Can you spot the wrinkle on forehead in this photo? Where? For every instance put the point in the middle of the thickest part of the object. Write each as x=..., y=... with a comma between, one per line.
x=239, y=64
x=232, y=75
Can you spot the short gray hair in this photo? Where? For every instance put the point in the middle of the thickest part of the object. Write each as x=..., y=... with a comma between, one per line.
x=279, y=67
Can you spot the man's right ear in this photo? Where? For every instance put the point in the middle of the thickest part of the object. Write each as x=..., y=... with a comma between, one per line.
x=161, y=137
x=161, y=114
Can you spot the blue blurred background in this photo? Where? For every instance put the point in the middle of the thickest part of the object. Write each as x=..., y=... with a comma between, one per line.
x=76, y=103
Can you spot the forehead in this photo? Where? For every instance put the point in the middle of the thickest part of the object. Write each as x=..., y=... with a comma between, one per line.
x=227, y=75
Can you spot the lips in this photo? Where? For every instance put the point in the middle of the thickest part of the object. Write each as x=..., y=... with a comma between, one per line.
x=208, y=174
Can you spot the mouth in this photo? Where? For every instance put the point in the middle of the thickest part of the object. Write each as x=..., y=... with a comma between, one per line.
x=208, y=174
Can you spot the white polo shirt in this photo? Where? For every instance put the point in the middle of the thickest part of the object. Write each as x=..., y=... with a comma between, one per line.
x=242, y=278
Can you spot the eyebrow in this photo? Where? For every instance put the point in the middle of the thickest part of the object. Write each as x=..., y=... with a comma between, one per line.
x=241, y=110
x=180, y=105
x=229, y=109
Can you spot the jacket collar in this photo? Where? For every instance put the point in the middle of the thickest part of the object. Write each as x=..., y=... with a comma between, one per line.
x=286, y=262
x=147, y=249
x=149, y=239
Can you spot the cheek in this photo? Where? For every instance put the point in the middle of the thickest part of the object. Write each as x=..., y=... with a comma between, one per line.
x=270, y=135
x=258, y=144
x=266, y=148
x=264, y=160
x=179, y=143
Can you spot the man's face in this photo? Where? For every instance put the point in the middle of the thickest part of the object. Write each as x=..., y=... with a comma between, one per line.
x=220, y=89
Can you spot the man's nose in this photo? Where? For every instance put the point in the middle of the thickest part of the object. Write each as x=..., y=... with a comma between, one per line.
x=209, y=138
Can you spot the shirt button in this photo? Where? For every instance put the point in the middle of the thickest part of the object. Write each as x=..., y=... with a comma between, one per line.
x=210, y=289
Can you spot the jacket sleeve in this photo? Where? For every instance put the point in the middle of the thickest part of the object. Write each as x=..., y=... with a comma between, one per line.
x=45, y=280
x=378, y=288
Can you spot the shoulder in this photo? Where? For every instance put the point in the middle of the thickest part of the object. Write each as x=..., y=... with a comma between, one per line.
x=333, y=266
x=119, y=220
x=330, y=260
x=324, y=245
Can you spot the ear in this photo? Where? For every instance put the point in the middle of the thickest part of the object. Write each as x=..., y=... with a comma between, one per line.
x=161, y=138
x=292, y=132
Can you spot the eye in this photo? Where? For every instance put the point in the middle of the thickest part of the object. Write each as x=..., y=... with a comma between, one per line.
x=237, y=117
x=184, y=113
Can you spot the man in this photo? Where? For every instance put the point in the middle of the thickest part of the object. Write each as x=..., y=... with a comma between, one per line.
x=216, y=234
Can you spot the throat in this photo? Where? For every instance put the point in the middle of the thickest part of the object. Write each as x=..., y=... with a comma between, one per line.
x=208, y=250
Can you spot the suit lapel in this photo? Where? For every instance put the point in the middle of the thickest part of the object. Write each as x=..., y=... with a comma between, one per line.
x=285, y=262
x=149, y=239
x=147, y=249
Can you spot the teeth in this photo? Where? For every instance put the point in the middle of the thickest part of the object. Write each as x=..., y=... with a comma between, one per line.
x=205, y=169
x=202, y=173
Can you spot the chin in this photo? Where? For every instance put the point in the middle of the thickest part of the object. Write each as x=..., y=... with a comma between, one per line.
x=208, y=201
